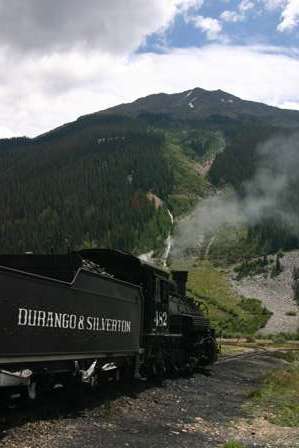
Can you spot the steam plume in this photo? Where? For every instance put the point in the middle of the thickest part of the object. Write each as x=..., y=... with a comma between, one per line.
x=266, y=195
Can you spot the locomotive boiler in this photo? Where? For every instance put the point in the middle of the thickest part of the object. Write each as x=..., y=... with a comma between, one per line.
x=74, y=317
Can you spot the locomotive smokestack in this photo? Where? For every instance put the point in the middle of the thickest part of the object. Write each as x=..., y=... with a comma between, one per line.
x=180, y=277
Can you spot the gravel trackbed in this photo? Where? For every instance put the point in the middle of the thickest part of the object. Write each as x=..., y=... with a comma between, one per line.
x=203, y=411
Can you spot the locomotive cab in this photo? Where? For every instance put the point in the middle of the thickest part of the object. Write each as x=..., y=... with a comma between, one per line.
x=156, y=303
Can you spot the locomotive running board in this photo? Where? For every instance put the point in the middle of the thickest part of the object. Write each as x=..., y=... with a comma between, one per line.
x=66, y=357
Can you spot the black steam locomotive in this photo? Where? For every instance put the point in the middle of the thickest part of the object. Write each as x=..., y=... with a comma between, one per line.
x=79, y=316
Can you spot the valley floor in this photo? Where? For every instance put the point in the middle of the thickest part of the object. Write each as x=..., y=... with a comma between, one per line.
x=276, y=294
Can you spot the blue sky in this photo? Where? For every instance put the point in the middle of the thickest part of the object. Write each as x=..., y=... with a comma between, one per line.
x=71, y=58
x=237, y=22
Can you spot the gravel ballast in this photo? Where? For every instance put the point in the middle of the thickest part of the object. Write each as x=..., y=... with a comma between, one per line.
x=201, y=411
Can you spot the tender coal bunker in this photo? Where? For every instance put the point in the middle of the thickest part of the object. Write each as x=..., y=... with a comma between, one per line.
x=122, y=265
x=60, y=267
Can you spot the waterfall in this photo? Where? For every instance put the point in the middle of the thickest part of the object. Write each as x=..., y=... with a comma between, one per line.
x=168, y=241
x=148, y=256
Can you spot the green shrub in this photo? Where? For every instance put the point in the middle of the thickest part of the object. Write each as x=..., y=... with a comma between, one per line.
x=254, y=267
x=233, y=444
x=229, y=313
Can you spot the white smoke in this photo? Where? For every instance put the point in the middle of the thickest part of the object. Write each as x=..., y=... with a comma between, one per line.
x=264, y=196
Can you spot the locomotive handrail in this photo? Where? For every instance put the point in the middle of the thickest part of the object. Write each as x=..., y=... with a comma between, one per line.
x=63, y=282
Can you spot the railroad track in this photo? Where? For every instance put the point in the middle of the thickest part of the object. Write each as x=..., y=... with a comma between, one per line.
x=254, y=352
x=248, y=354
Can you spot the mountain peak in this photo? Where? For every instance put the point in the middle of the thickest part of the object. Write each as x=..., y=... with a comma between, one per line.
x=195, y=104
x=201, y=104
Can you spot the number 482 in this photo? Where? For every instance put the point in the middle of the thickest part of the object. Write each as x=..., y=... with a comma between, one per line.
x=161, y=319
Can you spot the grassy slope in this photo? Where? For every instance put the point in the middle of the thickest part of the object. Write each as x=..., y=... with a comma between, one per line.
x=229, y=313
x=278, y=397
x=189, y=184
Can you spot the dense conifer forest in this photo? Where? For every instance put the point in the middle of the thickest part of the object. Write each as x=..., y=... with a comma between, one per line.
x=84, y=188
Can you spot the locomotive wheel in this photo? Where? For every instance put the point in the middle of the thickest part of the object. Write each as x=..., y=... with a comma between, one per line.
x=172, y=369
x=155, y=368
x=206, y=352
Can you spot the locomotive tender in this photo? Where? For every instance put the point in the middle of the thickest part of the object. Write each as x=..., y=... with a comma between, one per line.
x=75, y=317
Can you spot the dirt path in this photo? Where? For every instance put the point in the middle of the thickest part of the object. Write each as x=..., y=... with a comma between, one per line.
x=276, y=294
x=200, y=412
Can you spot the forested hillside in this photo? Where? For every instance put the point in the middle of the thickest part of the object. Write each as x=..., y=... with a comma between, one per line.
x=84, y=188
x=87, y=183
